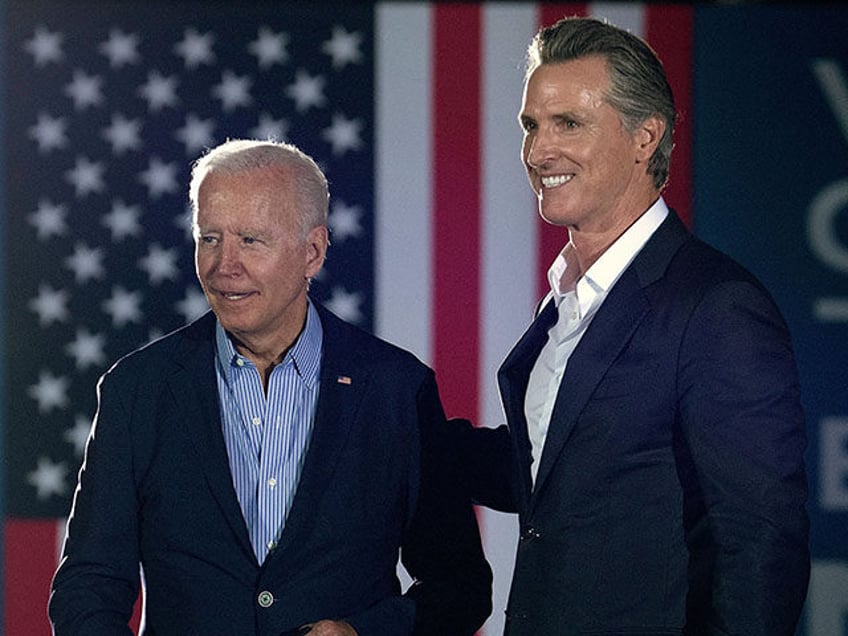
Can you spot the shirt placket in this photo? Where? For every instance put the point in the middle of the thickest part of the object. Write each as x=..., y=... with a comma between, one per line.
x=272, y=487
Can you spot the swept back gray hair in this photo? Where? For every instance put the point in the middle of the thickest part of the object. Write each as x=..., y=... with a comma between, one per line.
x=242, y=155
x=638, y=87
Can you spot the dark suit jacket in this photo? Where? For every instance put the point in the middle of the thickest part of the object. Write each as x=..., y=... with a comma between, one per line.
x=670, y=496
x=156, y=489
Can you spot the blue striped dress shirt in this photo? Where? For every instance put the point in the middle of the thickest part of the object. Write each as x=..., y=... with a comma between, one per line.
x=267, y=438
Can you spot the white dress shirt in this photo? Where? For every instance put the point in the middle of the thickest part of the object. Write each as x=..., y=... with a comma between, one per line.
x=578, y=297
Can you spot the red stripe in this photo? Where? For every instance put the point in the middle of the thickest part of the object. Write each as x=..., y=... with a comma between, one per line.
x=30, y=557
x=29, y=561
x=550, y=239
x=456, y=204
x=669, y=30
x=550, y=13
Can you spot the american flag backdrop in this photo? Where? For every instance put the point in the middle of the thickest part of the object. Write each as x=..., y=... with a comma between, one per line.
x=410, y=108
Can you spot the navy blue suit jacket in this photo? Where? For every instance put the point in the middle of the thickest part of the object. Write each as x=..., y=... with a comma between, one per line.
x=670, y=496
x=155, y=489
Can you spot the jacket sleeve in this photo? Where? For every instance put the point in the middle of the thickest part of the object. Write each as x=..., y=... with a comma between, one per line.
x=486, y=460
x=442, y=551
x=97, y=582
x=743, y=424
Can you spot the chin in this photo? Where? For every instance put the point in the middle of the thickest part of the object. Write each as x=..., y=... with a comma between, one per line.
x=231, y=322
x=552, y=217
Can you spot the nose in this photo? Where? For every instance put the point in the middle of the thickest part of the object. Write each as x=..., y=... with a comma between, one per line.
x=229, y=259
x=538, y=148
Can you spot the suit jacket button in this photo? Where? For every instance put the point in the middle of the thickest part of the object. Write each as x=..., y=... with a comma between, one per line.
x=265, y=599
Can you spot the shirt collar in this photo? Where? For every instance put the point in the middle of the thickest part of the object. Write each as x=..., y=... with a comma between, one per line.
x=305, y=353
x=606, y=270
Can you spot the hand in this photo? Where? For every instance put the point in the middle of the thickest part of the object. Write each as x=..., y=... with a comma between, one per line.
x=331, y=628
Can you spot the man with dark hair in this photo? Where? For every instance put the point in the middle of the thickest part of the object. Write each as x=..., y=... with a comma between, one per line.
x=655, y=438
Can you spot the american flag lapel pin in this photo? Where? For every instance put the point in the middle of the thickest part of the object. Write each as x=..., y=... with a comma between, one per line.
x=343, y=379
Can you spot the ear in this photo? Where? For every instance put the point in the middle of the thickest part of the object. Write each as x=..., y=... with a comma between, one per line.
x=647, y=137
x=317, y=241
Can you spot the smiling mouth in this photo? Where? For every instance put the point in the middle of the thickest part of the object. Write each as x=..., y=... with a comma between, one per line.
x=555, y=181
x=234, y=295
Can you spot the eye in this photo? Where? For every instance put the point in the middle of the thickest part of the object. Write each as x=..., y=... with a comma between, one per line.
x=248, y=240
x=567, y=123
x=207, y=239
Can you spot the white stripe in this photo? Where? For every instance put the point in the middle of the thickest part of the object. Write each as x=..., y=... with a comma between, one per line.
x=508, y=284
x=402, y=224
x=629, y=16
x=509, y=207
x=403, y=295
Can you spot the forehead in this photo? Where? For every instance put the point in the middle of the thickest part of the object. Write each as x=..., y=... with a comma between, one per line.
x=247, y=196
x=583, y=81
x=262, y=179
x=254, y=184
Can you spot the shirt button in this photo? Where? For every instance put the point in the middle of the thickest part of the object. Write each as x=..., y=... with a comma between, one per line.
x=272, y=482
x=239, y=362
x=265, y=599
x=271, y=545
x=257, y=421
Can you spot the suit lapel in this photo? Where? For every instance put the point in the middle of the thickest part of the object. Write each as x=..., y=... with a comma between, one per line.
x=195, y=391
x=343, y=383
x=610, y=330
x=513, y=377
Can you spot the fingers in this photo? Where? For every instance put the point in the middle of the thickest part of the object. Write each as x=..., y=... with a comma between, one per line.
x=328, y=628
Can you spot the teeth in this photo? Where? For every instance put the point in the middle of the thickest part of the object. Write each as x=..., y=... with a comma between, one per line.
x=234, y=296
x=557, y=180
